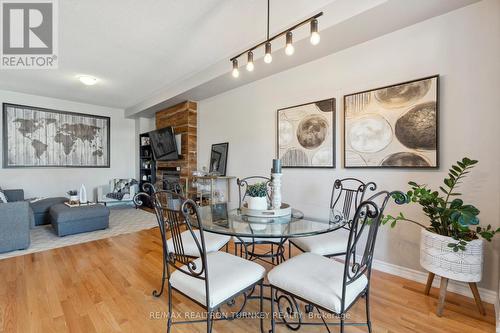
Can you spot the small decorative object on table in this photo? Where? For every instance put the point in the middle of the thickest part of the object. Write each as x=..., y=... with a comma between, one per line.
x=73, y=197
x=257, y=196
x=450, y=247
x=83, y=194
x=276, y=184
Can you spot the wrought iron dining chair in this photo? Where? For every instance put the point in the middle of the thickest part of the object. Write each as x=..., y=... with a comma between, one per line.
x=329, y=285
x=276, y=247
x=171, y=200
x=210, y=279
x=347, y=194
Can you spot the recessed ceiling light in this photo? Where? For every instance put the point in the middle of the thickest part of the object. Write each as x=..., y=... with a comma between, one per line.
x=87, y=80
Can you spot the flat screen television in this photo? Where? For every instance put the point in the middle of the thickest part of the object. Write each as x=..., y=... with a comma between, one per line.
x=164, y=144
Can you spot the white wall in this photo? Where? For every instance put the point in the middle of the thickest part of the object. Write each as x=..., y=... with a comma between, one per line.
x=57, y=181
x=462, y=46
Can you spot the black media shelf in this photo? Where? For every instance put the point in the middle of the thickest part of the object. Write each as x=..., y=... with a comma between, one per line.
x=147, y=166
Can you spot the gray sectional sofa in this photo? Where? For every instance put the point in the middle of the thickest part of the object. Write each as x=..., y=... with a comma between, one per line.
x=16, y=219
x=18, y=216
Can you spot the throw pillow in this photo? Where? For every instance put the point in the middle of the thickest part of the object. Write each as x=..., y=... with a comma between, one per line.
x=3, y=197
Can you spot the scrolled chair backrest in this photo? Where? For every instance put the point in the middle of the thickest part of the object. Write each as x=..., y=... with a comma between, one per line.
x=243, y=184
x=347, y=194
x=363, y=234
x=179, y=219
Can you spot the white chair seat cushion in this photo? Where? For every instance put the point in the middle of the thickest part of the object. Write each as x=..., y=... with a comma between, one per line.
x=324, y=244
x=213, y=242
x=316, y=279
x=256, y=239
x=227, y=276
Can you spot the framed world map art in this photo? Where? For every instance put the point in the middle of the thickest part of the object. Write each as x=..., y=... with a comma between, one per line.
x=36, y=137
x=306, y=135
x=393, y=127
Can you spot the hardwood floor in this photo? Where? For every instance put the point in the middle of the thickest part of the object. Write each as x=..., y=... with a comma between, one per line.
x=105, y=286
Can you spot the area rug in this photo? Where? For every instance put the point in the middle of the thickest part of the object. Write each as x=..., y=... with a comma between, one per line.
x=121, y=221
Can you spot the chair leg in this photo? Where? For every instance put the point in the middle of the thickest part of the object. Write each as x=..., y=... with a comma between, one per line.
x=477, y=298
x=272, y=253
x=367, y=303
x=273, y=323
x=289, y=249
x=442, y=296
x=155, y=292
x=261, y=304
x=342, y=324
x=428, y=286
x=209, y=321
x=169, y=321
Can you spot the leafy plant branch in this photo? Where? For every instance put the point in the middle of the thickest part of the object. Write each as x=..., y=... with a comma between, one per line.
x=448, y=217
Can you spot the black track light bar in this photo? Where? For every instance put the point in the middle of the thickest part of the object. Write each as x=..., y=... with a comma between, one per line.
x=269, y=39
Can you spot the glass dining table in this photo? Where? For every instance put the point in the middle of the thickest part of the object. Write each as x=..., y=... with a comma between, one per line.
x=217, y=218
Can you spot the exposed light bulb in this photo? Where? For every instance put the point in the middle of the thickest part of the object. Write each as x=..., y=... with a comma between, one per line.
x=289, y=49
x=250, y=65
x=315, y=38
x=235, y=72
x=268, y=57
x=314, y=33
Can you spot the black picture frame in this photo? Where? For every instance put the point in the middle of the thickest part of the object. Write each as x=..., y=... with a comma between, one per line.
x=218, y=154
x=333, y=102
x=5, y=147
x=436, y=166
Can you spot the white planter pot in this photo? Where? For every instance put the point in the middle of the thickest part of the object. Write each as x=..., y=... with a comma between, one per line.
x=438, y=258
x=257, y=203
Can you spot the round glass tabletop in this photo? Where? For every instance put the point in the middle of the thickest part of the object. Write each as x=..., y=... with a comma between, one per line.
x=218, y=219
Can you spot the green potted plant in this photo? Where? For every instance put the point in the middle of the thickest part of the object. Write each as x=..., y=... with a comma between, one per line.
x=451, y=244
x=257, y=196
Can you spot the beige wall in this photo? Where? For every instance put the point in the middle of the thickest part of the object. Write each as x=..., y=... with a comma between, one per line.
x=56, y=181
x=462, y=46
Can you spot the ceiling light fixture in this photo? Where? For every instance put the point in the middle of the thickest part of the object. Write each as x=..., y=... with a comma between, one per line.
x=87, y=80
x=268, y=57
x=314, y=39
x=250, y=65
x=236, y=72
x=289, y=49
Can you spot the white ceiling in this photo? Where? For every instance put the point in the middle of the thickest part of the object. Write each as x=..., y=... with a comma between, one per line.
x=152, y=53
x=137, y=47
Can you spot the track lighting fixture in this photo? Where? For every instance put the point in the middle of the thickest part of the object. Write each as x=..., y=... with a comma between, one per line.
x=289, y=47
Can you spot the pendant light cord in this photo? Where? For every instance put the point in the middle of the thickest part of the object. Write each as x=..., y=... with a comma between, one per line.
x=268, y=19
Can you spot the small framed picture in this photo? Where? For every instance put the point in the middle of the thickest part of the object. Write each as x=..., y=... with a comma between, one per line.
x=218, y=158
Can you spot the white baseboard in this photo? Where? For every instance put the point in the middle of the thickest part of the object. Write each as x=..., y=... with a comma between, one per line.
x=488, y=296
